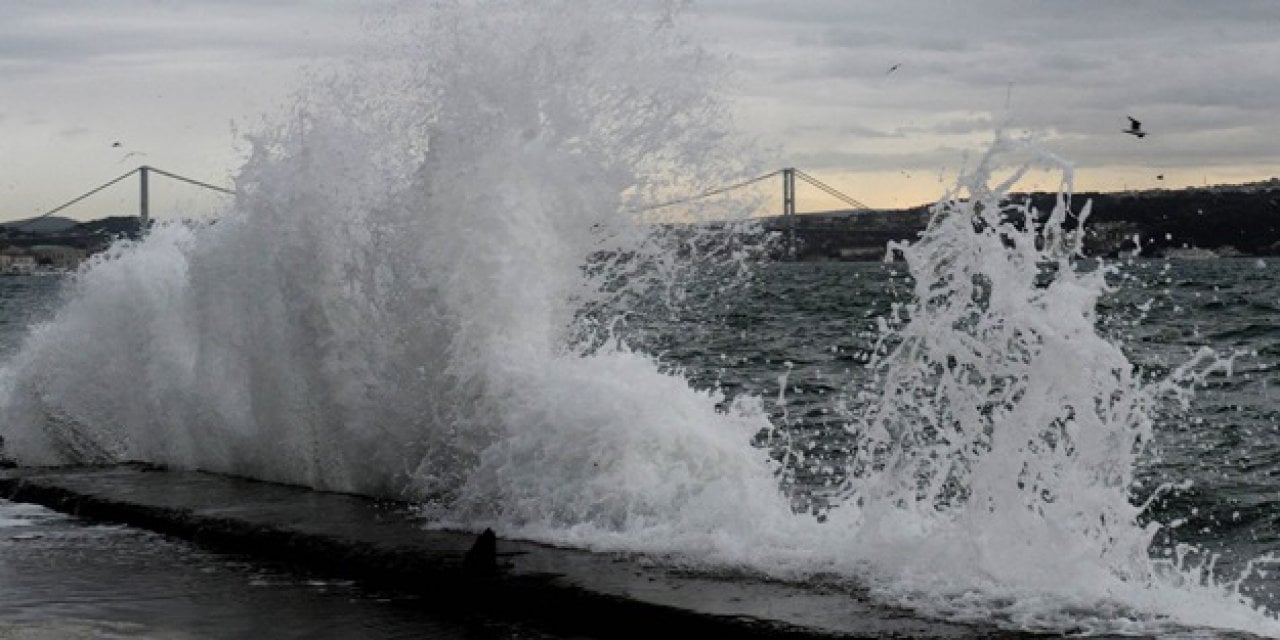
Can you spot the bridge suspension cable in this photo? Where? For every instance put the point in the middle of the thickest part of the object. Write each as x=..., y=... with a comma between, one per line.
x=820, y=185
x=83, y=196
x=707, y=194
x=830, y=190
x=189, y=180
x=143, y=169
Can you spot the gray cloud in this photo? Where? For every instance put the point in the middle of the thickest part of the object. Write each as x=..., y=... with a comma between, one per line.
x=37, y=39
x=959, y=126
x=849, y=130
x=75, y=131
x=811, y=76
x=1198, y=74
x=934, y=159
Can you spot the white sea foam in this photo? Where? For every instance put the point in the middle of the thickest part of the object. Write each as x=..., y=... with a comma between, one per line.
x=997, y=446
x=418, y=290
x=409, y=242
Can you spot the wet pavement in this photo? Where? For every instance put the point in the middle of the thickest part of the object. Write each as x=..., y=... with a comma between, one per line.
x=108, y=575
x=66, y=577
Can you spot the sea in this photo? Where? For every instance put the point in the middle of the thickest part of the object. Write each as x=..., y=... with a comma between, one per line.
x=796, y=335
x=450, y=276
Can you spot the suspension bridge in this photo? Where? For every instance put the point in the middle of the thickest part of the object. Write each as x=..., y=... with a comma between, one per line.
x=144, y=192
x=789, y=176
x=788, y=214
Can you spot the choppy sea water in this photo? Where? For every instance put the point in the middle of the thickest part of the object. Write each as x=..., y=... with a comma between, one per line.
x=816, y=323
x=796, y=336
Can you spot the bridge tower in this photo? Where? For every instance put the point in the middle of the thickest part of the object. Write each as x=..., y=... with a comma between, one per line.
x=144, y=197
x=144, y=216
x=789, y=209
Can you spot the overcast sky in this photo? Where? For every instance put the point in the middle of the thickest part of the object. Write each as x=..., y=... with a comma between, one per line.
x=167, y=79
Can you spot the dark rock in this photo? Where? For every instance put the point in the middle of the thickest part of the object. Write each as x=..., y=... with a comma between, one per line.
x=482, y=558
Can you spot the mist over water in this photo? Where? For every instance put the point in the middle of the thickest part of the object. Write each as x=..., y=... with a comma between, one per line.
x=427, y=287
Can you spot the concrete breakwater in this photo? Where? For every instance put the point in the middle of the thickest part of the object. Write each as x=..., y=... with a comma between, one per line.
x=385, y=544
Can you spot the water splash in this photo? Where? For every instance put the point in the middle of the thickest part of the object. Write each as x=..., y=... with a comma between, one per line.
x=421, y=291
x=997, y=443
x=398, y=292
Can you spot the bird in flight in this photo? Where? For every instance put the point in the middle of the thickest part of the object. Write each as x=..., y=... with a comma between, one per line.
x=1135, y=128
x=893, y=68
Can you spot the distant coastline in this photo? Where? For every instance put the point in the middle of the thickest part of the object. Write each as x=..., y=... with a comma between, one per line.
x=1191, y=223
x=53, y=244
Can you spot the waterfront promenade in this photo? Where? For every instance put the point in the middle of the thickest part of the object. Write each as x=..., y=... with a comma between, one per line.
x=386, y=545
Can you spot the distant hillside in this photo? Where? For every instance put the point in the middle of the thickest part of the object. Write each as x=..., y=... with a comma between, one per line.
x=1228, y=220
x=114, y=227
x=45, y=225
x=90, y=236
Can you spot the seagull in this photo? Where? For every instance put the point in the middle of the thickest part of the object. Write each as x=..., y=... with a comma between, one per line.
x=893, y=68
x=1135, y=128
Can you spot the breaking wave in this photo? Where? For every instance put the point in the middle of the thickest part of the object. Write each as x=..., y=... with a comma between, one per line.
x=424, y=286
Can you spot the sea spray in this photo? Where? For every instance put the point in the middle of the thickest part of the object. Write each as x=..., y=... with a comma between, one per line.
x=427, y=284
x=394, y=302
x=996, y=443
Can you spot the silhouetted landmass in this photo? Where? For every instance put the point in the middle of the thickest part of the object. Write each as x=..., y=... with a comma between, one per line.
x=1198, y=222
x=45, y=225
x=116, y=227
x=90, y=236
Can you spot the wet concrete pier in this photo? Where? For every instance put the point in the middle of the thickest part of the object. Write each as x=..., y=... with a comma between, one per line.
x=386, y=544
